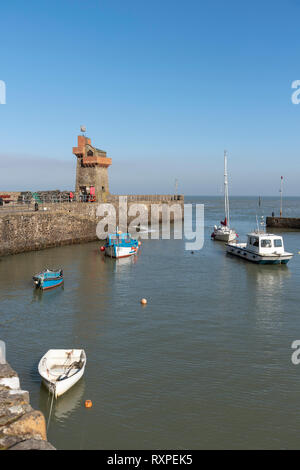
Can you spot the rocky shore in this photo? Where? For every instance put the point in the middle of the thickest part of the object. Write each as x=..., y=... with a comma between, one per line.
x=21, y=427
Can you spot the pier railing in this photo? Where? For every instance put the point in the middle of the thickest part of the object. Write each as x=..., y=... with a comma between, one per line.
x=51, y=203
x=146, y=197
x=33, y=202
x=12, y=207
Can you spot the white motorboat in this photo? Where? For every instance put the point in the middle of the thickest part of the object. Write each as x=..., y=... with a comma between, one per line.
x=223, y=232
x=60, y=369
x=261, y=248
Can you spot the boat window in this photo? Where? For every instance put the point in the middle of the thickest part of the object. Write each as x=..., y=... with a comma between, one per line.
x=277, y=242
x=266, y=243
x=254, y=241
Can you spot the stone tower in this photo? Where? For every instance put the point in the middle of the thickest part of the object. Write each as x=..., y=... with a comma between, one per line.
x=91, y=171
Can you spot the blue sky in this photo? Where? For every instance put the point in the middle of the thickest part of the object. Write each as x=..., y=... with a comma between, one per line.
x=163, y=86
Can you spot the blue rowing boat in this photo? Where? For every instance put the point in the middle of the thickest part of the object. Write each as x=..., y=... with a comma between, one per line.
x=48, y=279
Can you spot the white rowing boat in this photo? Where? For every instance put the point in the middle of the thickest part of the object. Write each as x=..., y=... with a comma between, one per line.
x=60, y=369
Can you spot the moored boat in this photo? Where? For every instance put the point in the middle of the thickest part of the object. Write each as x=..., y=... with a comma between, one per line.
x=60, y=369
x=120, y=245
x=261, y=248
x=223, y=232
x=48, y=279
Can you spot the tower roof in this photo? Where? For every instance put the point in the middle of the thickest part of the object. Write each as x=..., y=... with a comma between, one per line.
x=91, y=156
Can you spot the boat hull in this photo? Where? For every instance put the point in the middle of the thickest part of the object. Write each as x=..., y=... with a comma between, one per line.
x=62, y=387
x=248, y=255
x=51, y=283
x=120, y=252
x=61, y=369
x=224, y=236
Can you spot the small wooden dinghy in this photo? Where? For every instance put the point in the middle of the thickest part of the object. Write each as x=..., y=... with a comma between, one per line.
x=48, y=279
x=60, y=369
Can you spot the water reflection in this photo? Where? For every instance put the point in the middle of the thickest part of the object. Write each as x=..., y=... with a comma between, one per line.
x=267, y=284
x=269, y=278
x=122, y=264
x=65, y=405
x=38, y=295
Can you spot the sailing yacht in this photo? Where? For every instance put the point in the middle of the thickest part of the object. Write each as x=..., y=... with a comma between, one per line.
x=223, y=232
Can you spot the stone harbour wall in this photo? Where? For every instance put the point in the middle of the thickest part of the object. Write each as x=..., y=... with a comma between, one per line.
x=21, y=427
x=283, y=222
x=38, y=230
x=56, y=224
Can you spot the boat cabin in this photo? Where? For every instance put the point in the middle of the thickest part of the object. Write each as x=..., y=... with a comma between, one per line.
x=265, y=243
x=119, y=238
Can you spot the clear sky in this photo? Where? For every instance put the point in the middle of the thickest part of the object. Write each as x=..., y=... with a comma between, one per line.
x=164, y=86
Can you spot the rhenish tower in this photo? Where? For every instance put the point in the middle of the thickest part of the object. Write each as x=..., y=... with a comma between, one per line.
x=91, y=171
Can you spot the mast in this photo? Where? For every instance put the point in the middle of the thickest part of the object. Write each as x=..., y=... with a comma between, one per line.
x=281, y=188
x=226, y=189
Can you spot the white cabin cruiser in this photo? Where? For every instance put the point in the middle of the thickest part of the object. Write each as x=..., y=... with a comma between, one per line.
x=223, y=232
x=261, y=248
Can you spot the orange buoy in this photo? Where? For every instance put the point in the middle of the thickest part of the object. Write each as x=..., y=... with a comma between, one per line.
x=139, y=243
x=88, y=404
x=143, y=301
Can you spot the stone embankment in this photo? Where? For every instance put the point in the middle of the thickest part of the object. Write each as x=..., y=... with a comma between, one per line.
x=56, y=224
x=283, y=222
x=21, y=427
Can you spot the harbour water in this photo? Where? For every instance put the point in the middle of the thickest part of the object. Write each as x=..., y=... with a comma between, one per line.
x=205, y=365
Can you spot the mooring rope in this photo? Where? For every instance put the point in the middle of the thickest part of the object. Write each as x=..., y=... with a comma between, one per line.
x=49, y=417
